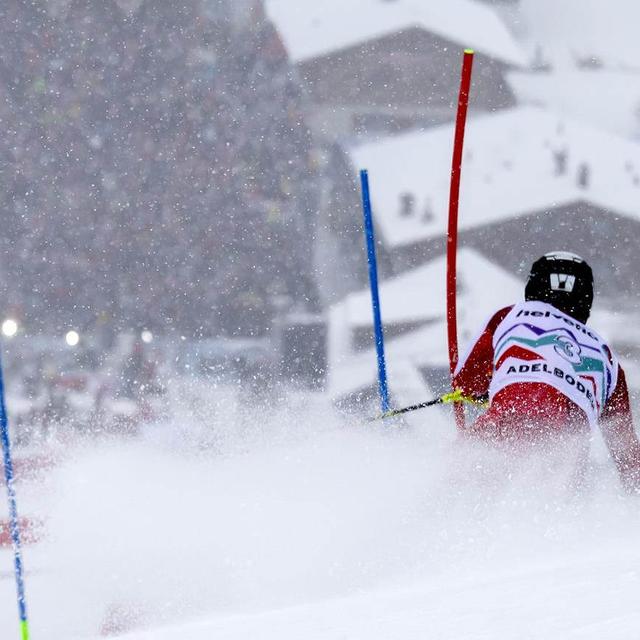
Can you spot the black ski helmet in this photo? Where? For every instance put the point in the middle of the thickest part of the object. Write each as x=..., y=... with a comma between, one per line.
x=565, y=281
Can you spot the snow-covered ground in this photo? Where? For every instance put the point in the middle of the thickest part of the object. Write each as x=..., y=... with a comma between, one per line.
x=291, y=523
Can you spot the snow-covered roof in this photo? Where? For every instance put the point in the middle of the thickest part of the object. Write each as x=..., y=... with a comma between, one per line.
x=314, y=29
x=508, y=171
x=418, y=295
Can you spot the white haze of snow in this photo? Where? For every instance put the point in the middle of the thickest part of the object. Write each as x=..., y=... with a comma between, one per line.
x=583, y=28
x=570, y=32
x=292, y=523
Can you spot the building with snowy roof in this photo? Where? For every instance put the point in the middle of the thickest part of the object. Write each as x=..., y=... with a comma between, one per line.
x=531, y=182
x=380, y=65
x=413, y=307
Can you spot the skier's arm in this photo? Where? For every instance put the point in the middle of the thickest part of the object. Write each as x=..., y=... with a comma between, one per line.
x=474, y=371
x=620, y=436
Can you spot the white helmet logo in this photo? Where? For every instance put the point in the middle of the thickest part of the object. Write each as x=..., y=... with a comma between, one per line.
x=562, y=282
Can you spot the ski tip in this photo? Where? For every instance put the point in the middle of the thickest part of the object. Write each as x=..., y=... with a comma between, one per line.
x=469, y=52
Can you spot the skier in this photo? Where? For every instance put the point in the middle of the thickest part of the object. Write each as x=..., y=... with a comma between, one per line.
x=546, y=373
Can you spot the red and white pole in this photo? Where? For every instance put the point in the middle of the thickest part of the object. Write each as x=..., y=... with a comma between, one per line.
x=452, y=232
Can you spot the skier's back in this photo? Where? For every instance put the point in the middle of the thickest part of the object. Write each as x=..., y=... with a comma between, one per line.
x=546, y=372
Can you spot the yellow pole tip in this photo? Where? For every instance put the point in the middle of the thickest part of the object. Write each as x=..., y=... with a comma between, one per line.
x=469, y=51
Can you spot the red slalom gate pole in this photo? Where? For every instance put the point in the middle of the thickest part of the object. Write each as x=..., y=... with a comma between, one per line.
x=452, y=231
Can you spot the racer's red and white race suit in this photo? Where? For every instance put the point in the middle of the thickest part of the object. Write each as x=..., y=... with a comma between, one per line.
x=546, y=373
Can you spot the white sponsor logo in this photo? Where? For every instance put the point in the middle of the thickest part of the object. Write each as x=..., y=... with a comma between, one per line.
x=562, y=282
x=568, y=349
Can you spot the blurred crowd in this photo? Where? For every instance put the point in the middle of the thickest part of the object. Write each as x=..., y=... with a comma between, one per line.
x=154, y=162
x=55, y=390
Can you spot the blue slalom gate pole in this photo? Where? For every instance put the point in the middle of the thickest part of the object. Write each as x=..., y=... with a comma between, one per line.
x=383, y=389
x=13, y=512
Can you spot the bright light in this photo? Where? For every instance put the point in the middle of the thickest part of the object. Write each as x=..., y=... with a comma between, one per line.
x=72, y=338
x=9, y=328
x=146, y=336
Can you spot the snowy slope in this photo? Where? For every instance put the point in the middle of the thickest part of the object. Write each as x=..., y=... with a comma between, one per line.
x=291, y=524
x=543, y=601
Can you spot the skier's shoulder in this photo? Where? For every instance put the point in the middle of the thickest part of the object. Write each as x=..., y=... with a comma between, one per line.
x=493, y=321
x=491, y=324
x=499, y=316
